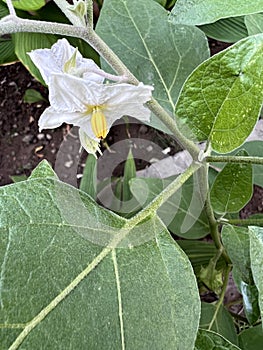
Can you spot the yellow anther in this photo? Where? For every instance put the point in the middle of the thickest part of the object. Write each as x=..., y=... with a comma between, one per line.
x=99, y=124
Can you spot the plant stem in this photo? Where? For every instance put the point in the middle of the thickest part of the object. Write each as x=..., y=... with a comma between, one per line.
x=213, y=224
x=222, y=295
x=11, y=8
x=234, y=159
x=242, y=222
x=89, y=13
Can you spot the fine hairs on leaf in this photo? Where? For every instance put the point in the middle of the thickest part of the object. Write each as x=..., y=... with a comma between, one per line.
x=74, y=274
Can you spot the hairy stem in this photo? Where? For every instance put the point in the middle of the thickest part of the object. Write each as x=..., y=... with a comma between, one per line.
x=11, y=8
x=234, y=159
x=242, y=222
x=89, y=13
x=213, y=223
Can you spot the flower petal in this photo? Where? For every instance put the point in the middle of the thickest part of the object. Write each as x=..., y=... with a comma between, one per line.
x=52, y=60
x=126, y=99
x=51, y=118
x=69, y=93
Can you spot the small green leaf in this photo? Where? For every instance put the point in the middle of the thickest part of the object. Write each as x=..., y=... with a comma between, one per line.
x=223, y=324
x=222, y=98
x=88, y=181
x=254, y=23
x=157, y=52
x=129, y=174
x=228, y=30
x=32, y=96
x=18, y=178
x=233, y=187
x=208, y=340
x=256, y=256
x=28, y=5
x=211, y=277
x=236, y=243
x=196, y=12
x=251, y=338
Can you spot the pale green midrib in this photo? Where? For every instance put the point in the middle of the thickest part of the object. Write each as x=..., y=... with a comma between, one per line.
x=151, y=59
x=12, y=325
x=118, y=285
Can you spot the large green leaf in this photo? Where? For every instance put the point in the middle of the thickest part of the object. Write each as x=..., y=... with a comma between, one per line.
x=28, y=5
x=254, y=23
x=197, y=12
x=25, y=42
x=251, y=338
x=256, y=256
x=228, y=30
x=209, y=340
x=156, y=51
x=73, y=278
x=7, y=50
x=222, y=98
x=232, y=188
x=183, y=213
x=223, y=323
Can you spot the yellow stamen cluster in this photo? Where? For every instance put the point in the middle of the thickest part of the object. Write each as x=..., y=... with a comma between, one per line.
x=99, y=123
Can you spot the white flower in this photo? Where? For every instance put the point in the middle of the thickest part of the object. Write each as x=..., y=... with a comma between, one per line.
x=93, y=107
x=64, y=58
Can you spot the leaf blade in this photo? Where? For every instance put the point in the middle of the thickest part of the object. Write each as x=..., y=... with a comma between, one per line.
x=222, y=98
x=65, y=253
